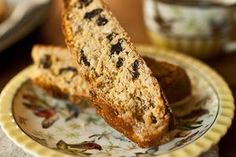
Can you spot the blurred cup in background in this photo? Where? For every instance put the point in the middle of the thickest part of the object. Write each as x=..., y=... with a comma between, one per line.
x=200, y=28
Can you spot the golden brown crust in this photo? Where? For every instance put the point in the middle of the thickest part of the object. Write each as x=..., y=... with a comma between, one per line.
x=57, y=92
x=111, y=116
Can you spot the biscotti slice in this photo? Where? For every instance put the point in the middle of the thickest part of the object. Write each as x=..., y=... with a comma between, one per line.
x=173, y=79
x=124, y=91
x=62, y=85
x=55, y=72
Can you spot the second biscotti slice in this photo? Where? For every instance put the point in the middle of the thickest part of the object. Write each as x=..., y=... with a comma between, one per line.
x=125, y=93
x=55, y=72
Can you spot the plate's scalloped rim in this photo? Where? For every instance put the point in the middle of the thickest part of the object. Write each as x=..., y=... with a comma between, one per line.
x=9, y=125
x=211, y=137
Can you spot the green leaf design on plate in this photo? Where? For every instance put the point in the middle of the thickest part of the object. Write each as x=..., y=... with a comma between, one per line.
x=73, y=135
x=176, y=11
x=152, y=151
x=60, y=128
x=74, y=126
x=92, y=119
x=100, y=136
x=78, y=149
x=189, y=127
x=49, y=136
x=111, y=146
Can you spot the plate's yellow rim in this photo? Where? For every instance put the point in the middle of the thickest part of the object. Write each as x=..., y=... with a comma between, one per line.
x=211, y=137
x=9, y=125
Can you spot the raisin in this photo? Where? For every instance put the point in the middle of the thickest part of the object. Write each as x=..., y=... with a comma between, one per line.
x=154, y=120
x=84, y=59
x=101, y=21
x=45, y=61
x=111, y=36
x=119, y=62
x=72, y=69
x=135, y=67
x=117, y=48
x=135, y=75
x=84, y=3
x=93, y=13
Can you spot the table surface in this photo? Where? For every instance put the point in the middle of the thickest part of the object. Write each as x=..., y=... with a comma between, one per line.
x=129, y=13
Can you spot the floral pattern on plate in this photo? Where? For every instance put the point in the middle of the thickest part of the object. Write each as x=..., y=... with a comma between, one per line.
x=78, y=130
x=48, y=127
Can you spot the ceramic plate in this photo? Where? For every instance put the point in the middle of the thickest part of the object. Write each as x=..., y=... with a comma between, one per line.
x=46, y=126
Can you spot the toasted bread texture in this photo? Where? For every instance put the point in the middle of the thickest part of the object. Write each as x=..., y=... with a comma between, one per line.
x=57, y=78
x=125, y=93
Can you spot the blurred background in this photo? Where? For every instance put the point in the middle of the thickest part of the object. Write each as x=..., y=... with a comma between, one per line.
x=38, y=22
